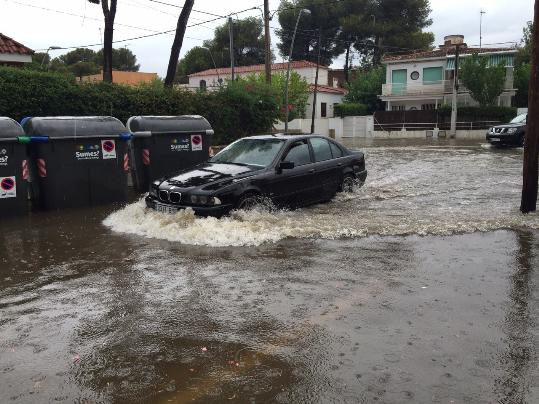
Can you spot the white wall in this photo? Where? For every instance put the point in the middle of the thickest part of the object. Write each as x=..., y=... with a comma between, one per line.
x=411, y=67
x=308, y=73
x=327, y=98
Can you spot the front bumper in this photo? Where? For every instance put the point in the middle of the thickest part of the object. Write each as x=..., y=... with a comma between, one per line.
x=362, y=176
x=215, y=211
x=503, y=139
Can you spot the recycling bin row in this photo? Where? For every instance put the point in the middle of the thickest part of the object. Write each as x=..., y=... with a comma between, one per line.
x=66, y=162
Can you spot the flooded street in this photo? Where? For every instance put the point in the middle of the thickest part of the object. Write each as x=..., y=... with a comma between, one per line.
x=420, y=287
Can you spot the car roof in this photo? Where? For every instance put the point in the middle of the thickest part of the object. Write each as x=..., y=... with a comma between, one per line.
x=285, y=136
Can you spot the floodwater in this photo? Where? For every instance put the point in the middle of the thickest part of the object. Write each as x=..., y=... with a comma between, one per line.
x=420, y=287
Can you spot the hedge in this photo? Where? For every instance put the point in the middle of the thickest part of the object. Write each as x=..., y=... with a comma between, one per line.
x=489, y=113
x=350, y=109
x=234, y=111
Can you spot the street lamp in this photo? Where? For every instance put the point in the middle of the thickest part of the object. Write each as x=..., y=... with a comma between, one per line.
x=47, y=53
x=303, y=10
x=214, y=65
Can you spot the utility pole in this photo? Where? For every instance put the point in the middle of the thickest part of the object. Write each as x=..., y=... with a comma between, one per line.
x=481, y=29
x=267, y=40
x=453, y=131
x=531, y=144
x=287, y=111
x=316, y=82
x=231, y=33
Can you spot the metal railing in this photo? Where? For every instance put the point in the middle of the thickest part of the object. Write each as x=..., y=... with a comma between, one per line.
x=394, y=126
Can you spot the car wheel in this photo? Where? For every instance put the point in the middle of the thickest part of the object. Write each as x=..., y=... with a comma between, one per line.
x=348, y=183
x=248, y=201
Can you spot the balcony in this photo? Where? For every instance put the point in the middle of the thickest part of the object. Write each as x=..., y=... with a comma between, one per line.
x=409, y=89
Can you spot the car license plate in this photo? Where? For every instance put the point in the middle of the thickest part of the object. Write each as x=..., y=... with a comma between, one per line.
x=494, y=139
x=165, y=208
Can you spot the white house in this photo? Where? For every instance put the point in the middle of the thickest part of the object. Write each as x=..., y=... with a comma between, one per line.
x=424, y=80
x=327, y=96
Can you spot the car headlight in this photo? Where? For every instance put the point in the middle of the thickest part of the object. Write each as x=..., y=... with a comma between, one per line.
x=511, y=130
x=205, y=200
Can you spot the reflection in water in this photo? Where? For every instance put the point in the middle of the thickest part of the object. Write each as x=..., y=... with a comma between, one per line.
x=516, y=360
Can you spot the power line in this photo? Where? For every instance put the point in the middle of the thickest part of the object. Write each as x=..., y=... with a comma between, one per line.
x=155, y=33
x=176, y=6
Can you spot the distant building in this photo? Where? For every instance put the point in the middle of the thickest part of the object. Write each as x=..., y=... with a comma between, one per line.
x=13, y=53
x=424, y=80
x=121, y=77
x=328, y=95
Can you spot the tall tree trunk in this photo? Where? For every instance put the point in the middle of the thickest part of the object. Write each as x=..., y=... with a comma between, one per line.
x=347, y=65
x=531, y=145
x=110, y=15
x=178, y=41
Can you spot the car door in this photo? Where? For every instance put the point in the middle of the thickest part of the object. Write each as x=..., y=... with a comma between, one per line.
x=326, y=169
x=294, y=186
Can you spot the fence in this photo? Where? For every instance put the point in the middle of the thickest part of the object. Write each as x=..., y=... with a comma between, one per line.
x=425, y=120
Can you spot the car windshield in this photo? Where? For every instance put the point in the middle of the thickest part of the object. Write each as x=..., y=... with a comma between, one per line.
x=520, y=119
x=250, y=152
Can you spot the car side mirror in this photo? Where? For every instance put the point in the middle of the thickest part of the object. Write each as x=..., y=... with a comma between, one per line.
x=286, y=165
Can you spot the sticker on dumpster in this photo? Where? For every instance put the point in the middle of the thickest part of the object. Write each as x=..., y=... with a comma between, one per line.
x=88, y=152
x=8, y=187
x=109, y=149
x=180, y=145
x=3, y=160
x=196, y=142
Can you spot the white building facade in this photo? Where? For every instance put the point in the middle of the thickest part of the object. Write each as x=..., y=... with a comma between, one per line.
x=327, y=96
x=424, y=80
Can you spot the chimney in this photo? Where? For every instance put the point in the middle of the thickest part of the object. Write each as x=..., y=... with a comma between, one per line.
x=451, y=41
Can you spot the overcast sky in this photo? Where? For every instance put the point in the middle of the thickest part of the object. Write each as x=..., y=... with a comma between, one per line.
x=27, y=22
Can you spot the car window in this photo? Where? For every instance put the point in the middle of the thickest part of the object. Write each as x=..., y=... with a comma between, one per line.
x=321, y=149
x=299, y=154
x=520, y=119
x=336, y=150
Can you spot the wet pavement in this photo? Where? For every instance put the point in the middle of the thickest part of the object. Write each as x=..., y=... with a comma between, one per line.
x=421, y=287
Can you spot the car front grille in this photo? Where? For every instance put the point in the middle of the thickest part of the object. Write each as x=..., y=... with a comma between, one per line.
x=163, y=195
x=175, y=197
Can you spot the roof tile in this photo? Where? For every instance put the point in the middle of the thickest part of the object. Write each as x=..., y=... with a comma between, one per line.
x=8, y=45
x=255, y=68
x=441, y=53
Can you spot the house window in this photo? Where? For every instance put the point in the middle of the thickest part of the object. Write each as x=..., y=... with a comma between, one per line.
x=428, y=107
x=433, y=75
x=398, y=108
x=202, y=85
x=323, y=110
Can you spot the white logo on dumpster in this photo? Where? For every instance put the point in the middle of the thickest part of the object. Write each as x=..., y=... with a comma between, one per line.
x=180, y=145
x=109, y=149
x=3, y=160
x=8, y=187
x=196, y=142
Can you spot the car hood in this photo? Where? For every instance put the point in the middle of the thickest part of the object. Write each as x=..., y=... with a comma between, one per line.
x=209, y=174
x=509, y=125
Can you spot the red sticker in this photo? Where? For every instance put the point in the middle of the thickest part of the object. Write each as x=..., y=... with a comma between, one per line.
x=196, y=140
x=7, y=184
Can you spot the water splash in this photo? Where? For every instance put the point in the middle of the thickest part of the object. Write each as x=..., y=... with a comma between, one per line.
x=410, y=190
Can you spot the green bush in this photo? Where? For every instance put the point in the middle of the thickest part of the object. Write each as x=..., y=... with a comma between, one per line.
x=351, y=109
x=237, y=110
x=487, y=113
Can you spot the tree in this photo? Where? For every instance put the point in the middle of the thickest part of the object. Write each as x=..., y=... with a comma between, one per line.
x=109, y=13
x=81, y=69
x=195, y=60
x=531, y=143
x=323, y=20
x=523, y=66
x=365, y=88
x=122, y=59
x=485, y=82
x=248, y=48
x=248, y=42
x=178, y=41
x=298, y=93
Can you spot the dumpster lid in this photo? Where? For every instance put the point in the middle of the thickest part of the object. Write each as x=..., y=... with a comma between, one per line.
x=10, y=129
x=74, y=126
x=169, y=124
